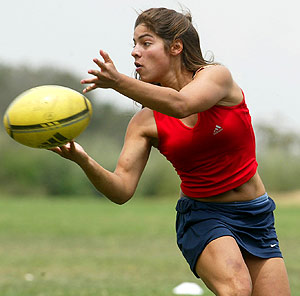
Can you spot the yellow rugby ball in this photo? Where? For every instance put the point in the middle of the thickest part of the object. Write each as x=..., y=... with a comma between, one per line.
x=47, y=116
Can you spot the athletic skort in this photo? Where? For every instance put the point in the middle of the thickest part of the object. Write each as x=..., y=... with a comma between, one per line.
x=251, y=223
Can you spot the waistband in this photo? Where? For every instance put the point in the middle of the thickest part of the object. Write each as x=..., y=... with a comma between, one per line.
x=261, y=204
x=254, y=202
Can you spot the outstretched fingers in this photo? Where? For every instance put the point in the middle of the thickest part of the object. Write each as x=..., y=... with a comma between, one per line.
x=95, y=80
x=56, y=150
x=105, y=56
x=100, y=64
x=89, y=88
x=104, y=77
x=106, y=59
x=64, y=150
x=92, y=81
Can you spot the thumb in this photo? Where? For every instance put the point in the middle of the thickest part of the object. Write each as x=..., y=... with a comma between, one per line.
x=105, y=56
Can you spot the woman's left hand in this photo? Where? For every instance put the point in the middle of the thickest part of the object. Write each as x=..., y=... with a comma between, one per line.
x=72, y=151
x=106, y=77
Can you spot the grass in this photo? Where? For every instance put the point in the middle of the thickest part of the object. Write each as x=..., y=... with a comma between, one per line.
x=93, y=247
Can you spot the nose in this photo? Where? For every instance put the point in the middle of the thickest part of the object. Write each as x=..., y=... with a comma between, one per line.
x=136, y=52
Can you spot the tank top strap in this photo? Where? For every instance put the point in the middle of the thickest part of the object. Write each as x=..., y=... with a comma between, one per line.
x=202, y=68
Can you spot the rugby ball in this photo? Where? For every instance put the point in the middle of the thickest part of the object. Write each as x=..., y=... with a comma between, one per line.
x=47, y=116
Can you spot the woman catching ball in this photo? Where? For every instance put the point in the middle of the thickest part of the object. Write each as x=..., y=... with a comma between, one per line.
x=196, y=116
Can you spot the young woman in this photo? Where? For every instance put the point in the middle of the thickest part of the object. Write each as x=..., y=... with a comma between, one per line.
x=196, y=115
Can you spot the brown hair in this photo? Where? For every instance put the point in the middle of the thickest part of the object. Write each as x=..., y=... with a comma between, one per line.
x=170, y=25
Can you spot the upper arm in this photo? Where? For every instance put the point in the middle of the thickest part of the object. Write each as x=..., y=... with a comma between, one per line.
x=135, y=152
x=208, y=88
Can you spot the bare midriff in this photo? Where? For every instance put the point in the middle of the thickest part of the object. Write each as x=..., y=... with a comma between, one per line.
x=248, y=191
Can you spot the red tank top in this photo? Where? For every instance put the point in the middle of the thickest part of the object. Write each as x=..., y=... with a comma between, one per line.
x=216, y=155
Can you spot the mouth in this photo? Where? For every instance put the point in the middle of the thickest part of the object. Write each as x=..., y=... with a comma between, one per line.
x=138, y=66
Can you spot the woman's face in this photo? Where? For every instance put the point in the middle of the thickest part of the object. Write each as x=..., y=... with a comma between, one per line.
x=151, y=59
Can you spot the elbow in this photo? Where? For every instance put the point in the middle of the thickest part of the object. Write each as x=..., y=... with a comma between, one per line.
x=121, y=202
x=120, y=199
x=178, y=106
x=180, y=110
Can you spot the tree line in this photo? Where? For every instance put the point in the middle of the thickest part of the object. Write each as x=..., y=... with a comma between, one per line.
x=28, y=171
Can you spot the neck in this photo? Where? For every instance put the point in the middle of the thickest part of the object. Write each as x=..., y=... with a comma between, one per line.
x=178, y=76
x=177, y=79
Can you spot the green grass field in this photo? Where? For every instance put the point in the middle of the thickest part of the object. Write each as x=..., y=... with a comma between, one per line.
x=53, y=247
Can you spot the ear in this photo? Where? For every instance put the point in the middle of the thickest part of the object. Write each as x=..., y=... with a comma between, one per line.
x=176, y=47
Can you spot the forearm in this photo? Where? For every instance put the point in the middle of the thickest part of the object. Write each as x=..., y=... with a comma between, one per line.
x=162, y=99
x=108, y=183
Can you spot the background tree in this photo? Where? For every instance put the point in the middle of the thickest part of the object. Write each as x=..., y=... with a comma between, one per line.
x=25, y=170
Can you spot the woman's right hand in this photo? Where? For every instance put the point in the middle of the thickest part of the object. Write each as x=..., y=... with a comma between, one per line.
x=72, y=151
x=106, y=76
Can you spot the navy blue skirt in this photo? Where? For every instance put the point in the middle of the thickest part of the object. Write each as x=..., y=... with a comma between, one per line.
x=250, y=223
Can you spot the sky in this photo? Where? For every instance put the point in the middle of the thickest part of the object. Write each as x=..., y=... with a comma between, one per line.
x=258, y=40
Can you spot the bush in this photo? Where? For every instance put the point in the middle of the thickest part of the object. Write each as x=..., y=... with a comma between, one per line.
x=34, y=171
x=159, y=178
x=280, y=170
x=25, y=170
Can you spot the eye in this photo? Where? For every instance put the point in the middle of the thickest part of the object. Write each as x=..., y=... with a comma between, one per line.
x=147, y=43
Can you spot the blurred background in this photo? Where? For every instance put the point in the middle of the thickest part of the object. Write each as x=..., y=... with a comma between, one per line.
x=54, y=42
x=58, y=235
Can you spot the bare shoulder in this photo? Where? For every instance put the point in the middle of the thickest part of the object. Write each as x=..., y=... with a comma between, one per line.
x=220, y=77
x=143, y=124
x=217, y=73
x=142, y=118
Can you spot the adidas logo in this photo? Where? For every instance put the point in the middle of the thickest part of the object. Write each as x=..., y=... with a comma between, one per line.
x=56, y=139
x=217, y=129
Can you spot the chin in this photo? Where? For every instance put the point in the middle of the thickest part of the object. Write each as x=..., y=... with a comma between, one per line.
x=144, y=79
x=149, y=80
